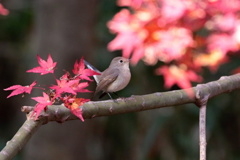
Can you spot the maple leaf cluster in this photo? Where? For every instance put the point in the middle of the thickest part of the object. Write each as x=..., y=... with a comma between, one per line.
x=3, y=10
x=65, y=90
x=186, y=35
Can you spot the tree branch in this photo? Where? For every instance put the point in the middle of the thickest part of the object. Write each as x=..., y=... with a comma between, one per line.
x=201, y=102
x=93, y=109
x=202, y=132
x=59, y=113
x=20, y=139
x=160, y=100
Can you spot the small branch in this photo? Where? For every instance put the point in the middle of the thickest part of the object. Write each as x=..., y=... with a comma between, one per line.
x=201, y=102
x=20, y=139
x=202, y=132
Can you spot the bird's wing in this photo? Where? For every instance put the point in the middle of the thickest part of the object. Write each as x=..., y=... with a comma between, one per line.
x=107, y=77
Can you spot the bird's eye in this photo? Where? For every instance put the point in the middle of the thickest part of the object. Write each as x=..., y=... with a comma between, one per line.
x=121, y=61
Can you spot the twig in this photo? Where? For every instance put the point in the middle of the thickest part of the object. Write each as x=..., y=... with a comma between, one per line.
x=202, y=133
x=201, y=102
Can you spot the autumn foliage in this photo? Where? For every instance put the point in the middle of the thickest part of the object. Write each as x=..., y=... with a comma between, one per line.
x=3, y=10
x=65, y=90
x=186, y=35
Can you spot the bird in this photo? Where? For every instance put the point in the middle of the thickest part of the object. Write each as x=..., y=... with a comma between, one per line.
x=115, y=78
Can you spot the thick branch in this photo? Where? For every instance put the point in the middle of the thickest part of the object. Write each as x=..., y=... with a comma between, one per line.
x=147, y=102
x=20, y=139
x=110, y=107
x=159, y=100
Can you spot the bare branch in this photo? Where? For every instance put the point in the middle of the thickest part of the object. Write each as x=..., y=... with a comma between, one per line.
x=202, y=133
x=201, y=102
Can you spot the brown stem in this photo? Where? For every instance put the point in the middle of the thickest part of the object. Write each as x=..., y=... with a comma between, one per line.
x=201, y=102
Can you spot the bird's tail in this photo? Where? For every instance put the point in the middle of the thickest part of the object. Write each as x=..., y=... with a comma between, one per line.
x=89, y=66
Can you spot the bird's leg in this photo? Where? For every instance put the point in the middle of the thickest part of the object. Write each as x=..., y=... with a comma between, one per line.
x=102, y=95
x=109, y=95
x=115, y=94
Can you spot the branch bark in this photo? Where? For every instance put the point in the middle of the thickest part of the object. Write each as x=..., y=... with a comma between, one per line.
x=161, y=99
x=202, y=133
x=59, y=113
x=20, y=139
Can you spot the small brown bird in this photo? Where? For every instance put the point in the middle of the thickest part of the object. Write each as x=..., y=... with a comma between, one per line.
x=115, y=77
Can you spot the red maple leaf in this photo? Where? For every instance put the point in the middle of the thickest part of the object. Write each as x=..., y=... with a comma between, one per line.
x=74, y=104
x=180, y=76
x=43, y=102
x=45, y=66
x=18, y=89
x=65, y=86
x=82, y=73
x=80, y=87
x=3, y=10
x=78, y=113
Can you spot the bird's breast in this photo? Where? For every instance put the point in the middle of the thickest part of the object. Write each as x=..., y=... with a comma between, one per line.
x=121, y=81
